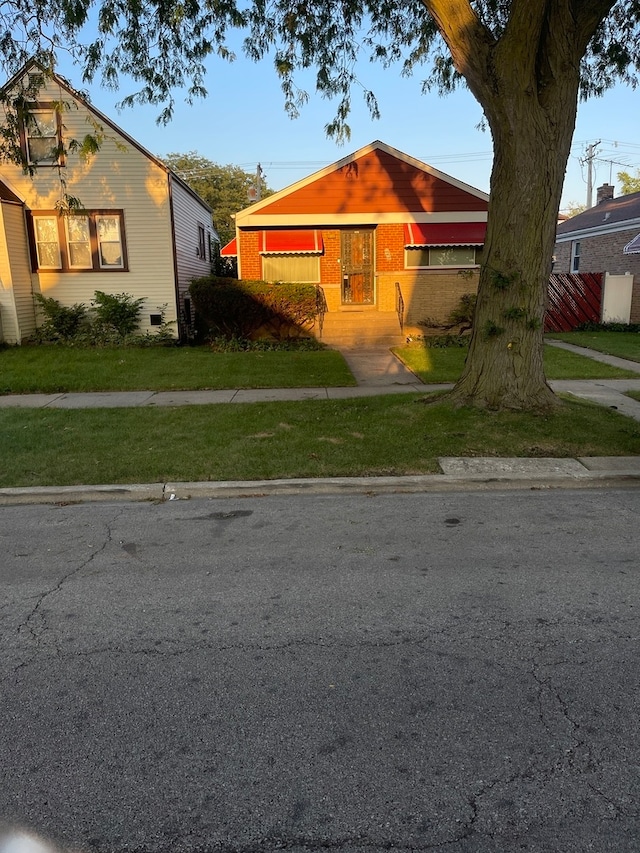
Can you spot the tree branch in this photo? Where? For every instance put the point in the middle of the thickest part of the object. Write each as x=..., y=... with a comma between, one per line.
x=468, y=39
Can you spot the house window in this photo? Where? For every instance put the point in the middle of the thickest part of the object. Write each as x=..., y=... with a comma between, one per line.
x=47, y=242
x=293, y=268
x=202, y=245
x=109, y=239
x=420, y=257
x=93, y=242
x=575, y=256
x=78, y=242
x=42, y=136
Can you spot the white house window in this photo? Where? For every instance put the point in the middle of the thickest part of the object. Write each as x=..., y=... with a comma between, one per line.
x=293, y=268
x=47, y=242
x=43, y=139
x=575, y=256
x=422, y=257
x=78, y=242
x=110, y=253
x=93, y=242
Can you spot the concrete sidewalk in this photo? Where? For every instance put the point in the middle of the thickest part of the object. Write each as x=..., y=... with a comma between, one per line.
x=377, y=372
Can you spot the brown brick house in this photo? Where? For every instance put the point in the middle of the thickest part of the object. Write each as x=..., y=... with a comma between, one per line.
x=604, y=238
x=388, y=240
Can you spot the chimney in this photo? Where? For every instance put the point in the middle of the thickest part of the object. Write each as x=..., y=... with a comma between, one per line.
x=604, y=193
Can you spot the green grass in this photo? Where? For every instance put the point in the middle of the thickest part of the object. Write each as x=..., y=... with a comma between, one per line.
x=360, y=437
x=55, y=369
x=622, y=344
x=445, y=365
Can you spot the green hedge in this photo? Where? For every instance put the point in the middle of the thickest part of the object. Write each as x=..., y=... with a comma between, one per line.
x=246, y=309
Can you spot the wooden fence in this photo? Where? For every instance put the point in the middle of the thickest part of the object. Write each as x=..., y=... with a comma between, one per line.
x=573, y=299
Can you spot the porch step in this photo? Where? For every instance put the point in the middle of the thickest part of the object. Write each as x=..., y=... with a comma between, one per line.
x=361, y=328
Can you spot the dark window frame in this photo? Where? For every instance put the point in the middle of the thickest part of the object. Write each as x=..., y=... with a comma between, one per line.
x=42, y=106
x=201, y=251
x=65, y=267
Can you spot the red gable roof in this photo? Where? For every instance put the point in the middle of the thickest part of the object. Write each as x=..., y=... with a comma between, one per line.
x=376, y=180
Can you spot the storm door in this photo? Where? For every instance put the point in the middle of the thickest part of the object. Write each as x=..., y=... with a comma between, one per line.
x=356, y=252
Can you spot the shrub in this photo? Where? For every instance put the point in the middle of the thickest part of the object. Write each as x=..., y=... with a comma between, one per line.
x=462, y=316
x=226, y=307
x=222, y=344
x=242, y=309
x=117, y=313
x=62, y=323
x=115, y=317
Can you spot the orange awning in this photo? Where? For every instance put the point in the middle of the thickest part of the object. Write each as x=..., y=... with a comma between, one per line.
x=230, y=250
x=296, y=241
x=444, y=233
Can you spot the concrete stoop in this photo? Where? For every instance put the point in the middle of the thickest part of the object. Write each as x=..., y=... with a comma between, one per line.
x=361, y=327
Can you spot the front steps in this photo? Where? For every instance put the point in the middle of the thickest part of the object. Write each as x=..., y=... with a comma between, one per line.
x=360, y=328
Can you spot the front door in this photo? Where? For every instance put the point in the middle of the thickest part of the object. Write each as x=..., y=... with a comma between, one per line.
x=356, y=251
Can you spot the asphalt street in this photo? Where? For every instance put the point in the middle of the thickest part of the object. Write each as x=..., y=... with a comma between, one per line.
x=358, y=673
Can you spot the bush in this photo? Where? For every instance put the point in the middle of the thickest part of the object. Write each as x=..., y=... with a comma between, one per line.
x=117, y=313
x=222, y=344
x=111, y=323
x=241, y=309
x=62, y=323
x=461, y=316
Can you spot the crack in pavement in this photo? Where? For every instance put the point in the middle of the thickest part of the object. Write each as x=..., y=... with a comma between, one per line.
x=36, y=622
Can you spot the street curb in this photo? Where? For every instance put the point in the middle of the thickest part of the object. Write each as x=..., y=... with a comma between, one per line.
x=164, y=492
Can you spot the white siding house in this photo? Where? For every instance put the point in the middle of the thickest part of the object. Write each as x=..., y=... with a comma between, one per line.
x=140, y=229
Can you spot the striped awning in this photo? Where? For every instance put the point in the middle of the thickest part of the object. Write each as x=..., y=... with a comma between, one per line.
x=633, y=248
x=444, y=234
x=295, y=241
x=230, y=250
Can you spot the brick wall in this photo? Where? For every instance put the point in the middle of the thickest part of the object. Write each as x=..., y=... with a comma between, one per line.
x=389, y=247
x=603, y=253
x=251, y=260
x=430, y=295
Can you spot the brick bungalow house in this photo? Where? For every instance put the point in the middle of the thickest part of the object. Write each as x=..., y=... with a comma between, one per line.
x=604, y=238
x=388, y=240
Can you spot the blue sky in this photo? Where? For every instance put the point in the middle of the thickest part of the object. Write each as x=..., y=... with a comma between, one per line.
x=243, y=122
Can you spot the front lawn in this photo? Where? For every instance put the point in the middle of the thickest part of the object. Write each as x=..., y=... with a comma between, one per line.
x=316, y=438
x=55, y=369
x=436, y=364
x=622, y=344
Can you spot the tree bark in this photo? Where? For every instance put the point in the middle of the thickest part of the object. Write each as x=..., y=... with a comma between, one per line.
x=504, y=367
x=527, y=81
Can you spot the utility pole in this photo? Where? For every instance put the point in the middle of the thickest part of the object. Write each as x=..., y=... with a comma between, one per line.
x=259, y=174
x=588, y=159
x=254, y=191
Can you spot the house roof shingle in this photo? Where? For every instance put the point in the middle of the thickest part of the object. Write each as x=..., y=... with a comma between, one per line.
x=609, y=212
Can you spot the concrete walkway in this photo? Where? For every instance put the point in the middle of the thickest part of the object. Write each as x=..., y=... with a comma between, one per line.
x=376, y=372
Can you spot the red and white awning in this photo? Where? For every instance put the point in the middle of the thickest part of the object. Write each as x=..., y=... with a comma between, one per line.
x=632, y=248
x=444, y=234
x=291, y=242
x=230, y=250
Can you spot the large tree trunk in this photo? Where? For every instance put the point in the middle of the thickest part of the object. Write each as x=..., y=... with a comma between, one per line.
x=504, y=367
x=525, y=75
